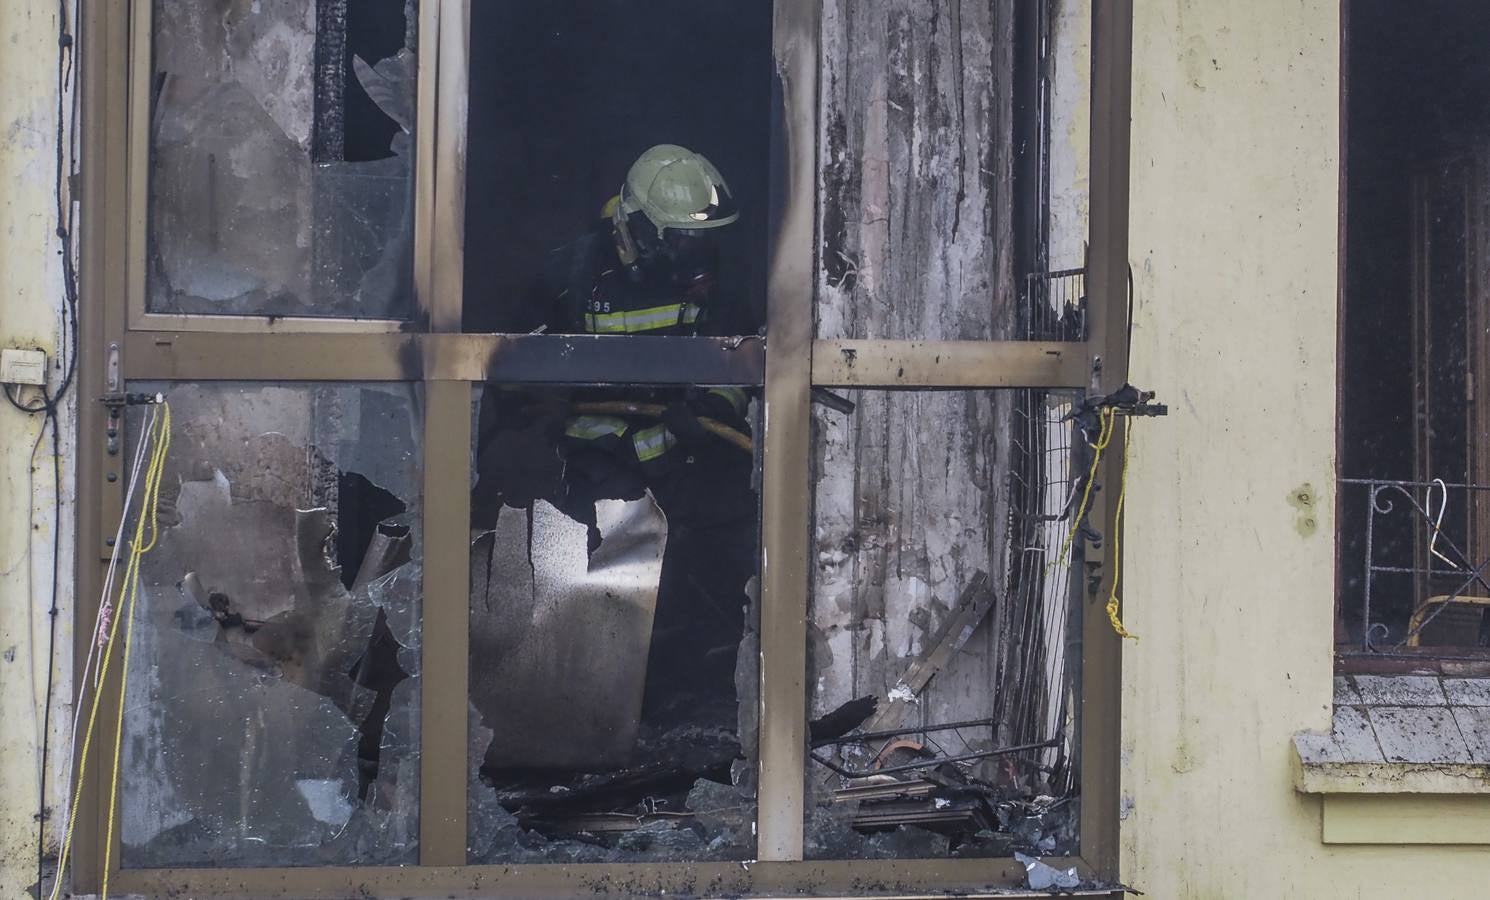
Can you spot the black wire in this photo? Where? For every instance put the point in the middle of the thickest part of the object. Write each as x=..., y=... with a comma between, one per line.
x=22, y=407
x=1130, y=306
x=51, y=403
x=66, y=118
x=46, y=728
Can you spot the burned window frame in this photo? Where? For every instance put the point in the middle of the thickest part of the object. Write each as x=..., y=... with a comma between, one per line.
x=124, y=343
x=1398, y=527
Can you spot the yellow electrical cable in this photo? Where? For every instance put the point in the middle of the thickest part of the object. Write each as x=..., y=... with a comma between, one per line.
x=1104, y=440
x=152, y=499
x=1117, y=534
x=1104, y=437
x=159, y=434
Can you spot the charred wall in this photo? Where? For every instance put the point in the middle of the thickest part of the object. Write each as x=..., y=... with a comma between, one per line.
x=914, y=490
x=916, y=191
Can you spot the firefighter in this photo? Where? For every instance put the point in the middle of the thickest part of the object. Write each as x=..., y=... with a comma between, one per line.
x=651, y=267
x=648, y=266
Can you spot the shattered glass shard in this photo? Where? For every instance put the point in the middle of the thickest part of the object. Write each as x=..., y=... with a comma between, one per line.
x=1041, y=876
x=272, y=713
x=247, y=216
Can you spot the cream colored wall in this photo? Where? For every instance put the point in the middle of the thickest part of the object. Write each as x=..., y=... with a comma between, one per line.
x=1235, y=158
x=30, y=292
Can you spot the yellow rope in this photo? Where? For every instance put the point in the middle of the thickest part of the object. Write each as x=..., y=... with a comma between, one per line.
x=1117, y=535
x=159, y=434
x=1104, y=440
x=1104, y=437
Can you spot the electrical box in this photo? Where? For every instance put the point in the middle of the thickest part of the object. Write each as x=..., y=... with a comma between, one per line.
x=23, y=366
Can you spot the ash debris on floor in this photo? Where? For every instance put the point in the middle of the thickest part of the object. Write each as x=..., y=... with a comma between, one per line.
x=889, y=795
x=272, y=708
x=682, y=803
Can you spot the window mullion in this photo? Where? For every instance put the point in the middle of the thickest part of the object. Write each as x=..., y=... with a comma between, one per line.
x=445, y=665
x=1107, y=283
x=442, y=250
x=425, y=155
x=785, y=488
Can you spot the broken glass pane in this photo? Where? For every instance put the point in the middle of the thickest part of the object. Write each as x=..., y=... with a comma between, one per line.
x=940, y=658
x=281, y=151
x=272, y=714
x=613, y=625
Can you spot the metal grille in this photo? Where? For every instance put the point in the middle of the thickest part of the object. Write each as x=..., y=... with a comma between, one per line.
x=1039, y=670
x=1423, y=553
x=1055, y=305
x=1037, y=681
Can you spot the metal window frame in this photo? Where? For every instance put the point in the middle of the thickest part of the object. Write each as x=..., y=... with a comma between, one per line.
x=115, y=40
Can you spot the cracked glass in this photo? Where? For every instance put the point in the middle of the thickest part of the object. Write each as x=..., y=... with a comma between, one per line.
x=272, y=708
x=943, y=643
x=614, y=611
x=281, y=158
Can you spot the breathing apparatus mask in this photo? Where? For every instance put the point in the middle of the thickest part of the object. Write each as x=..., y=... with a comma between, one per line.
x=685, y=257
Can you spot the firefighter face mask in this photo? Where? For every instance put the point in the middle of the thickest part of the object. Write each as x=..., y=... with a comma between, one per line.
x=682, y=257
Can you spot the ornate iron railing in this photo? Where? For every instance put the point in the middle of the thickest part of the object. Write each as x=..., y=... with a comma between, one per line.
x=1423, y=551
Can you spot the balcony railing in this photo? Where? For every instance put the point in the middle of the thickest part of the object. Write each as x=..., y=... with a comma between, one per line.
x=1415, y=568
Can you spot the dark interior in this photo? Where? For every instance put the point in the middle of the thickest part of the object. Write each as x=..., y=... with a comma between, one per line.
x=565, y=95
x=1417, y=95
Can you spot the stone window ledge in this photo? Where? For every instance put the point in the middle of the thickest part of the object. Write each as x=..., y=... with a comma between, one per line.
x=1407, y=761
x=1400, y=734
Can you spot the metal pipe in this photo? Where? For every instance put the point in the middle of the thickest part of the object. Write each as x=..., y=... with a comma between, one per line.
x=928, y=763
x=896, y=732
x=655, y=411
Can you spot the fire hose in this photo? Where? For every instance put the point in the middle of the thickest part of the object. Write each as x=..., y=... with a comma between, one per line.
x=655, y=411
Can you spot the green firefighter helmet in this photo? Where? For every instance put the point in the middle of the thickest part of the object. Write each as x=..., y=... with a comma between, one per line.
x=672, y=188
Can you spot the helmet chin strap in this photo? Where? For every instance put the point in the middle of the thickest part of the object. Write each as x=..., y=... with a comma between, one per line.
x=626, y=248
x=633, y=256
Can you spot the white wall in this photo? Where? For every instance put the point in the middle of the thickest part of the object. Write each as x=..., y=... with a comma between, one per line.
x=30, y=315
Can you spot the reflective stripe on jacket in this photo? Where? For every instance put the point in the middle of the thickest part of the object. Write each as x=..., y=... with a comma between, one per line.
x=635, y=321
x=589, y=428
x=649, y=443
x=652, y=442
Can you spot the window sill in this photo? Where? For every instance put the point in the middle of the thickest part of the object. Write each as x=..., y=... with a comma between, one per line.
x=1407, y=761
